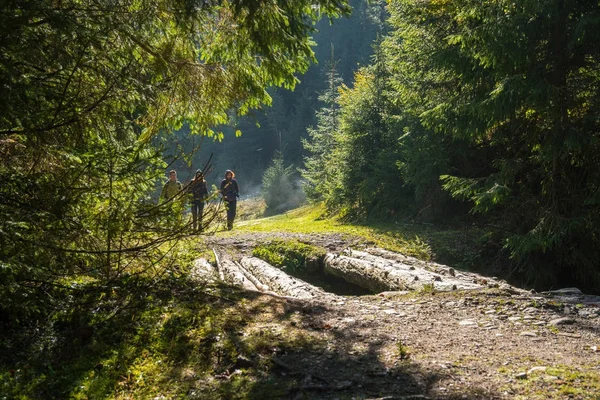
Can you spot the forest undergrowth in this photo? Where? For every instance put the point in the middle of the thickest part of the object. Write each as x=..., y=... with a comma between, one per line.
x=165, y=334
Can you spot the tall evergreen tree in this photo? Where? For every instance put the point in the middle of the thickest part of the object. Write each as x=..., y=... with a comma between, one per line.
x=519, y=83
x=318, y=171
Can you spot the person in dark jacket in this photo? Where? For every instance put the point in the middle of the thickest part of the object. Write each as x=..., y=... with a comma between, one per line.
x=230, y=192
x=199, y=192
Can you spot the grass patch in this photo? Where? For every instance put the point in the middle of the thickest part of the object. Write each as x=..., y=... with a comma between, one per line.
x=558, y=382
x=291, y=255
x=461, y=248
x=152, y=338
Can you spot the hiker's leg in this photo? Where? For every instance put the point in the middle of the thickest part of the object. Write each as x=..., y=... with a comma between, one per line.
x=194, y=215
x=231, y=211
x=200, y=214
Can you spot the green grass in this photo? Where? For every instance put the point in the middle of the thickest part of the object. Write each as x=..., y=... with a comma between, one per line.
x=459, y=247
x=290, y=254
x=557, y=382
x=167, y=338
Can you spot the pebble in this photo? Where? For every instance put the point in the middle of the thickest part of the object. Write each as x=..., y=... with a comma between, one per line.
x=467, y=322
x=531, y=334
x=589, y=312
x=535, y=369
x=571, y=335
x=522, y=375
x=562, y=321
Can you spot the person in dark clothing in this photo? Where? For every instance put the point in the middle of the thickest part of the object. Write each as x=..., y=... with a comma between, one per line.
x=199, y=192
x=230, y=192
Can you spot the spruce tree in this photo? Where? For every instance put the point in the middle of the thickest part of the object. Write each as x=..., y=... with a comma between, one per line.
x=318, y=171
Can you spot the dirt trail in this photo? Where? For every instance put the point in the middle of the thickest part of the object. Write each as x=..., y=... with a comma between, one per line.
x=494, y=341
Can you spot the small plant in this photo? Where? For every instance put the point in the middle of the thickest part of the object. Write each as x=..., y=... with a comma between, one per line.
x=428, y=288
x=402, y=350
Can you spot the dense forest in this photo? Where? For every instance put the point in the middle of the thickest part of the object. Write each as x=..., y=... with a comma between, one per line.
x=443, y=112
x=486, y=108
x=447, y=112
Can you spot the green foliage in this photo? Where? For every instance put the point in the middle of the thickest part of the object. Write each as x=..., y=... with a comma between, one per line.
x=488, y=106
x=402, y=351
x=279, y=187
x=146, y=337
x=320, y=172
x=90, y=88
x=515, y=82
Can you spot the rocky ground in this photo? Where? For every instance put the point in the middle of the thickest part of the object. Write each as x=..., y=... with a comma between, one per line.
x=491, y=342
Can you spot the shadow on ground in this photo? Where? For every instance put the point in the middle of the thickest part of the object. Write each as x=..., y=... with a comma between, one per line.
x=175, y=338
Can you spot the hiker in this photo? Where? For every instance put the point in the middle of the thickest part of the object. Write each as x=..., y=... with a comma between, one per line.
x=172, y=187
x=230, y=192
x=199, y=192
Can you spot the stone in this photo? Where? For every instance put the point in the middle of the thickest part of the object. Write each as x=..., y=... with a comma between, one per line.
x=589, y=312
x=571, y=335
x=467, y=322
x=527, y=333
x=536, y=369
x=565, y=292
x=522, y=375
x=562, y=321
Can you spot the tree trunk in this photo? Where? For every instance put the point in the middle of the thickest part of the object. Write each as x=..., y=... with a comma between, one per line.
x=234, y=275
x=278, y=281
x=397, y=273
x=204, y=270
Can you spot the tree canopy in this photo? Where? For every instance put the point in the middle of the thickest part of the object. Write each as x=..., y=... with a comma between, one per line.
x=87, y=86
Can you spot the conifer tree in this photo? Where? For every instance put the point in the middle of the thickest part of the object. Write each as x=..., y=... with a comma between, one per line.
x=318, y=171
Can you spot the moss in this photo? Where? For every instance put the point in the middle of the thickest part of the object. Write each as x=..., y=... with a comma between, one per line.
x=291, y=255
